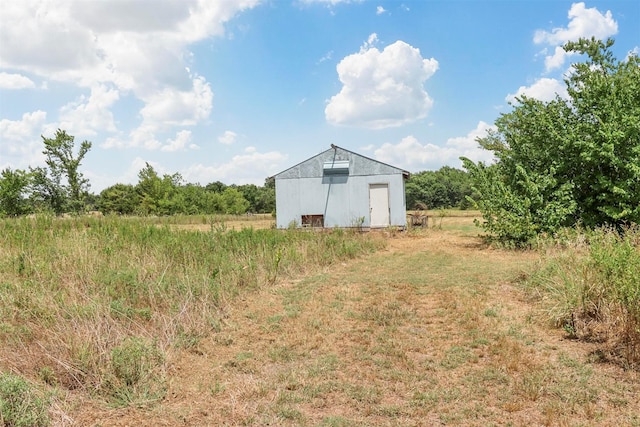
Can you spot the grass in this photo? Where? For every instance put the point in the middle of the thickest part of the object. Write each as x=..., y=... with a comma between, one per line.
x=592, y=291
x=433, y=330
x=21, y=404
x=98, y=304
x=430, y=328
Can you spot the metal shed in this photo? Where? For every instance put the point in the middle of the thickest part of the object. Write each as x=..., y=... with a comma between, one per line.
x=340, y=188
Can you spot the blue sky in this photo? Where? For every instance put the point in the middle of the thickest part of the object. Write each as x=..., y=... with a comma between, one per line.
x=236, y=91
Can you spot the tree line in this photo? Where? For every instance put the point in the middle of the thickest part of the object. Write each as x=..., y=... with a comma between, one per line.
x=61, y=188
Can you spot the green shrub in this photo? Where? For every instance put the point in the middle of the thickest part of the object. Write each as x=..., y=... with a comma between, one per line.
x=136, y=368
x=20, y=403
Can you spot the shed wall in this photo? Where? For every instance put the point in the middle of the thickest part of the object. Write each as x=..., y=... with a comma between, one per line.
x=342, y=200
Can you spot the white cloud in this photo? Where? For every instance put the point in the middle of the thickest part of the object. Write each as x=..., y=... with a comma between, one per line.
x=173, y=107
x=132, y=47
x=17, y=130
x=181, y=142
x=141, y=137
x=20, y=142
x=380, y=10
x=86, y=116
x=382, y=88
x=40, y=37
x=583, y=22
x=251, y=167
x=544, y=89
x=91, y=42
x=412, y=155
x=15, y=81
x=228, y=137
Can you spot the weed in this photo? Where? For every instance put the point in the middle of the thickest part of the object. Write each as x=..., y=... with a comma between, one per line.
x=594, y=292
x=216, y=388
x=21, y=404
x=336, y=421
x=136, y=372
x=457, y=356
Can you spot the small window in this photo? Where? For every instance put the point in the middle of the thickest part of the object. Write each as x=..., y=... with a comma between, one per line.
x=336, y=167
x=313, y=221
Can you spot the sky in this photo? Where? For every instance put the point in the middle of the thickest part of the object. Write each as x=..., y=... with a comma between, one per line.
x=239, y=90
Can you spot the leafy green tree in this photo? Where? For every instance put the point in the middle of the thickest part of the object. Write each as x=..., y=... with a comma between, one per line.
x=119, y=198
x=445, y=188
x=261, y=199
x=46, y=193
x=62, y=162
x=158, y=195
x=234, y=202
x=565, y=162
x=605, y=148
x=216, y=187
x=14, y=187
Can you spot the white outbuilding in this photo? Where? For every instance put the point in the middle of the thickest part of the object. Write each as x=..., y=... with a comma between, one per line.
x=340, y=188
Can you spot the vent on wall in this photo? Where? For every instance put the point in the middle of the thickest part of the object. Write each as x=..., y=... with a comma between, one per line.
x=336, y=167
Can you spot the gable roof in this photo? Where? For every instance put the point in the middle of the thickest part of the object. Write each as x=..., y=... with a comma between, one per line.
x=336, y=154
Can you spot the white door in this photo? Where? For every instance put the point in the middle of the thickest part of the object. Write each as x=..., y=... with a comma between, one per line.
x=379, y=205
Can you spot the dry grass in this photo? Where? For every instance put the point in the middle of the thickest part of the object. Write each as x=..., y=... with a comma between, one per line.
x=430, y=331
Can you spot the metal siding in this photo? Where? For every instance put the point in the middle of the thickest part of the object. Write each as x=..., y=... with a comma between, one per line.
x=343, y=200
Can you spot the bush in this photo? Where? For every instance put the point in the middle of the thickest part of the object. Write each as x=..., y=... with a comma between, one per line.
x=136, y=372
x=20, y=404
x=593, y=291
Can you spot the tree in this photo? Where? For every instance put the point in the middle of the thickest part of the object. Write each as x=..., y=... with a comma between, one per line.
x=158, y=196
x=445, y=188
x=233, y=201
x=62, y=162
x=565, y=162
x=13, y=192
x=261, y=199
x=119, y=198
x=46, y=192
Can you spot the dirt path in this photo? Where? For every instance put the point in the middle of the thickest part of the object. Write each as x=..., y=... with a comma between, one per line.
x=431, y=331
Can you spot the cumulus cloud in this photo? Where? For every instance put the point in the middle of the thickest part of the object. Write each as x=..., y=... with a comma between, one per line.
x=174, y=107
x=29, y=125
x=181, y=142
x=87, y=41
x=250, y=167
x=544, y=89
x=411, y=154
x=21, y=144
x=132, y=48
x=380, y=10
x=382, y=89
x=86, y=116
x=15, y=81
x=583, y=22
x=228, y=137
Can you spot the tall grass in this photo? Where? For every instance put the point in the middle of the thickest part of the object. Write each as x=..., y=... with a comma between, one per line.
x=593, y=291
x=98, y=303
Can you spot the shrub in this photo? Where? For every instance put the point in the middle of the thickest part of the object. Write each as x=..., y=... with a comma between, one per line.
x=136, y=372
x=593, y=291
x=20, y=403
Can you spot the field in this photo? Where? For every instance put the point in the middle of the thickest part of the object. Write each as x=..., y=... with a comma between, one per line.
x=424, y=327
